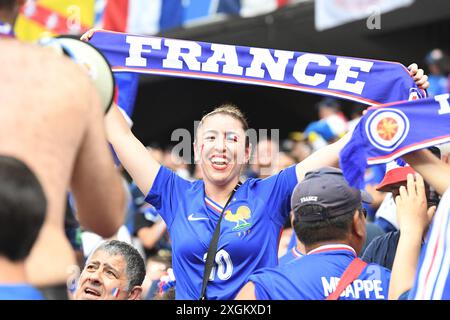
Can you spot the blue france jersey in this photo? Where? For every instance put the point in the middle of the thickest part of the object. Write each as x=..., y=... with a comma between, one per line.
x=315, y=277
x=433, y=272
x=293, y=242
x=19, y=292
x=249, y=233
x=292, y=254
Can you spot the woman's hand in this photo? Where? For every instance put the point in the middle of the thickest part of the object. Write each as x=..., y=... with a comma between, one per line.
x=420, y=78
x=88, y=34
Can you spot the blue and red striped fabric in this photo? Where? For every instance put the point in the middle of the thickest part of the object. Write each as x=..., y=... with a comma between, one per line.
x=432, y=279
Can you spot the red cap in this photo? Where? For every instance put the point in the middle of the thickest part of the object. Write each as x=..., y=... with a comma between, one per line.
x=394, y=176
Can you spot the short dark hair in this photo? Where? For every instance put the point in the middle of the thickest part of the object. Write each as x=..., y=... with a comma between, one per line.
x=334, y=228
x=135, y=263
x=22, y=208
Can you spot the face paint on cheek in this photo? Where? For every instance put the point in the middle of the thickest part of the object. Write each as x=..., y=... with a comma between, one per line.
x=72, y=286
x=231, y=137
x=115, y=292
x=73, y=280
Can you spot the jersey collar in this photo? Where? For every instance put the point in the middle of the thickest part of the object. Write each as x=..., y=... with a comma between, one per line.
x=297, y=253
x=214, y=206
x=333, y=247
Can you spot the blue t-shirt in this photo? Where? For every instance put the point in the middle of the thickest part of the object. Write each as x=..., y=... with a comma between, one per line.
x=315, y=276
x=292, y=254
x=19, y=292
x=382, y=249
x=249, y=231
x=438, y=85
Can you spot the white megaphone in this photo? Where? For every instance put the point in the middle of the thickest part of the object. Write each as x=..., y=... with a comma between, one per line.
x=91, y=60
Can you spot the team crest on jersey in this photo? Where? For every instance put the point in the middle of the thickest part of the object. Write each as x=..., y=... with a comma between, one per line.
x=243, y=213
x=387, y=128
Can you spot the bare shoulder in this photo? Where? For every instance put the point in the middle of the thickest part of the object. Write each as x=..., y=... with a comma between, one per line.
x=44, y=75
x=247, y=292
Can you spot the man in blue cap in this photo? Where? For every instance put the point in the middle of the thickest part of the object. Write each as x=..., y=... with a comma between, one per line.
x=330, y=222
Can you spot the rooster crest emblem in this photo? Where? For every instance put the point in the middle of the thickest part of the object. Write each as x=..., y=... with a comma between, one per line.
x=240, y=217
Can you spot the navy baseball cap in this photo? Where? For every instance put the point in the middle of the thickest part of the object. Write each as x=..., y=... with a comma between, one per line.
x=324, y=194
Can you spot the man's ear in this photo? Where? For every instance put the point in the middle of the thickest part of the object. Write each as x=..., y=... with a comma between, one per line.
x=135, y=293
x=359, y=224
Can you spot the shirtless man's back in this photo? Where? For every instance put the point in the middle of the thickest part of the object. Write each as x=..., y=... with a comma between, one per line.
x=51, y=118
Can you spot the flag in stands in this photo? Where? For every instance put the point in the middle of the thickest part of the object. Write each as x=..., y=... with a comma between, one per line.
x=44, y=18
x=151, y=17
x=41, y=18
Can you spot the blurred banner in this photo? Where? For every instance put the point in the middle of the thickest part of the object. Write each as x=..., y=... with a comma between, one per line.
x=333, y=13
x=41, y=18
x=47, y=18
x=142, y=16
x=152, y=16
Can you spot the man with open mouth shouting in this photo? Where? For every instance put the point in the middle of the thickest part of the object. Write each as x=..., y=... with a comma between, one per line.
x=114, y=271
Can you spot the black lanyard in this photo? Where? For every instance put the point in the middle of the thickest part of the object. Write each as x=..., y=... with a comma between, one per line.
x=212, y=250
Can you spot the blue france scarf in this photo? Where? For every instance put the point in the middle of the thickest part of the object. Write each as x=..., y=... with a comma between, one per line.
x=389, y=131
x=370, y=82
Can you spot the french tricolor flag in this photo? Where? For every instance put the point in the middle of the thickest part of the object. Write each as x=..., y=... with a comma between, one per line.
x=116, y=292
x=141, y=16
x=150, y=17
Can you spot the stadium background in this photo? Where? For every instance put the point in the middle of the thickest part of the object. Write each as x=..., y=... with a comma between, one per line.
x=405, y=35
